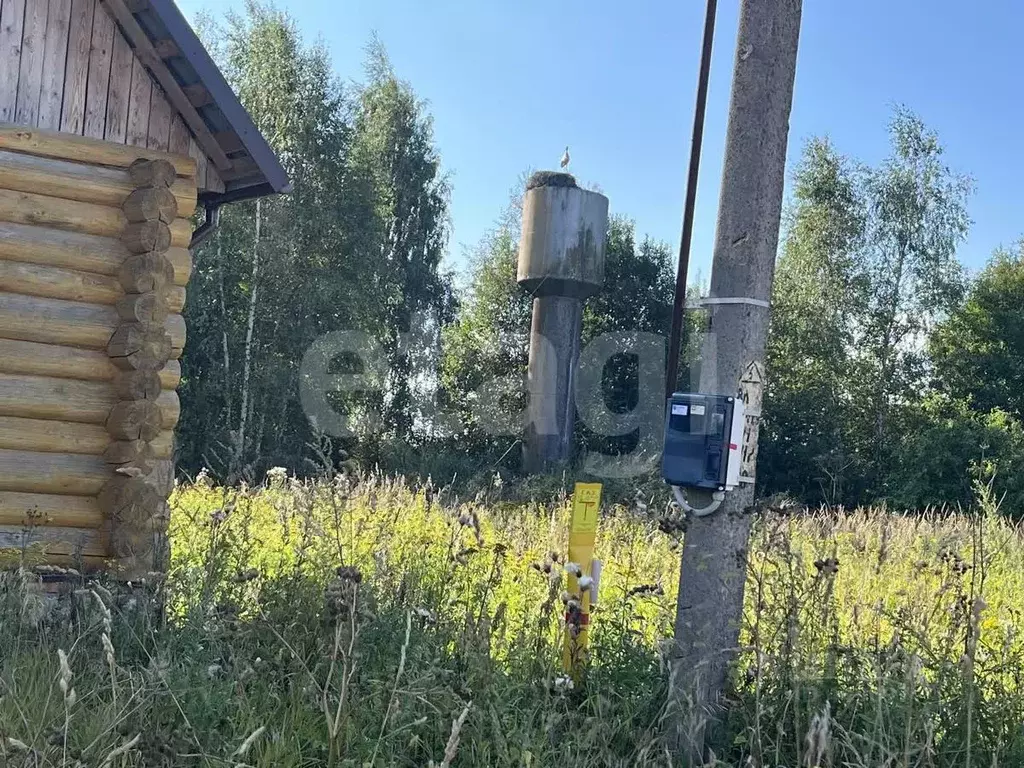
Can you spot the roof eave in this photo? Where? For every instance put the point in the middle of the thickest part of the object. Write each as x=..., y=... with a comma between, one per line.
x=188, y=43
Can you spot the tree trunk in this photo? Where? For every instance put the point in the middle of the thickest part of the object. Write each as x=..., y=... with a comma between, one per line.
x=243, y=417
x=224, y=327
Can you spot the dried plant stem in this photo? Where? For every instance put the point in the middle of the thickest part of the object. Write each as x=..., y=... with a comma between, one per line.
x=394, y=689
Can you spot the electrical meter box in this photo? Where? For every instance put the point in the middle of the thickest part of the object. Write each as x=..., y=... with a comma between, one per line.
x=703, y=439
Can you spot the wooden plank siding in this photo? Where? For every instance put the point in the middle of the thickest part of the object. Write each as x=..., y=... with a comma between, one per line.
x=138, y=105
x=118, y=91
x=12, y=20
x=159, y=133
x=76, y=70
x=55, y=54
x=30, y=69
x=98, y=78
x=71, y=69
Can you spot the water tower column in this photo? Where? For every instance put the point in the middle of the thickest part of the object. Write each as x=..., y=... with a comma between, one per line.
x=561, y=263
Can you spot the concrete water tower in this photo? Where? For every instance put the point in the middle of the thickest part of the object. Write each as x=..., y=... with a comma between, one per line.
x=561, y=263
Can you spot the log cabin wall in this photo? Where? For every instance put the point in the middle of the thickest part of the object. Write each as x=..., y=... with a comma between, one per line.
x=66, y=256
x=65, y=66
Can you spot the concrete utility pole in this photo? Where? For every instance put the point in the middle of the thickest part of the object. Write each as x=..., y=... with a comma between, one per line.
x=713, y=572
x=561, y=263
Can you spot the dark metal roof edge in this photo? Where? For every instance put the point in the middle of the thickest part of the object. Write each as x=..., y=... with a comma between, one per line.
x=210, y=76
x=241, y=193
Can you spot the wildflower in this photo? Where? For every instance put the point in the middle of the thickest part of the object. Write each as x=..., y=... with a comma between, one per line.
x=573, y=568
x=70, y=697
x=566, y=597
x=573, y=605
x=65, y=670
x=213, y=670
x=240, y=752
x=563, y=683
x=426, y=614
x=828, y=566
x=554, y=557
x=349, y=573
x=646, y=589
x=218, y=516
x=585, y=582
x=118, y=751
x=276, y=475
x=452, y=747
x=108, y=648
x=819, y=735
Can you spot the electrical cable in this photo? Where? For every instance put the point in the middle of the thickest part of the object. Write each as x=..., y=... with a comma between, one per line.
x=716, y=501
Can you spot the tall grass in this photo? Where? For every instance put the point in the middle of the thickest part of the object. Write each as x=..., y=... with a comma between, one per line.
x=369, y=623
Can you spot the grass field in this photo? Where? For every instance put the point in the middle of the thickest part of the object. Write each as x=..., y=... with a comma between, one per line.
x=343, y=623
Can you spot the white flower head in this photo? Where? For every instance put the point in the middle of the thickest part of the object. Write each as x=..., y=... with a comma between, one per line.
x=563, y=683
x=426, y=614
x=573, y=568
x=585, y=582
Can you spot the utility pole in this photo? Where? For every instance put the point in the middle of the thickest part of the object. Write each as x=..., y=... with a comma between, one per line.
x=714, y=561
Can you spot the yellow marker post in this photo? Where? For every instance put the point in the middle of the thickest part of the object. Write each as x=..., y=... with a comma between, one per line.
x=586, y=503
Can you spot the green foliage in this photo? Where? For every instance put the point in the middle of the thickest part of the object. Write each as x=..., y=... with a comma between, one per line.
x=868, y=268
x=978, y=352
x=356, y=246
x=820, y=290
x=345, y=622
x=948, y=444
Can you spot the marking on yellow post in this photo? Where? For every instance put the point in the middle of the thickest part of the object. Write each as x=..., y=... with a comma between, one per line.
x=586, y=505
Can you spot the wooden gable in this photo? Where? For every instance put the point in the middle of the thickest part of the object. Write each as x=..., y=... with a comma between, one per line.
x=65, y=66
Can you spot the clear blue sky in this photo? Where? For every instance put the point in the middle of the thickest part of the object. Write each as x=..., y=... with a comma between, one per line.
x=511, y=83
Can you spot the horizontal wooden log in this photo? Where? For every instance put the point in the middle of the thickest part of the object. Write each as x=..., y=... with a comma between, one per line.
x=82, y=402
x=170, y=411
x=48, y=436
x=122, y=452
x=151, y=204
x=63, y=146
x=135, y=420
x=76, y=181
x=57, y=473
x=139, y=347
x=72, y=285
x=145, y=272
x=73, y=216
x=49, y=509
x=70, y=323
x=138, y=385
x=146, y=236
x=72, y=250
x=157, y=174
x=150, y=308
x=11, y=558
x=47, y=540
x=31, y=359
